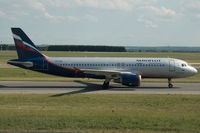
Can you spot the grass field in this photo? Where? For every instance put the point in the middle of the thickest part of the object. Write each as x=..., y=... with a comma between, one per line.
x=100, y=113
x=21, y=74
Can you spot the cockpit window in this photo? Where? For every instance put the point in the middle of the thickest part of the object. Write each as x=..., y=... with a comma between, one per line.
x=183, y=65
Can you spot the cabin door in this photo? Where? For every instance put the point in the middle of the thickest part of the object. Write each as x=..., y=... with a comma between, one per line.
x=171, y=65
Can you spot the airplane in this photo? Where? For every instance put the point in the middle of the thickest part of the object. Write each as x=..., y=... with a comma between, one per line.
x=125, y=70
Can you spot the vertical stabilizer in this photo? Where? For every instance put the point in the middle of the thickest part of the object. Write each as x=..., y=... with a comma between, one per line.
x=25, y=47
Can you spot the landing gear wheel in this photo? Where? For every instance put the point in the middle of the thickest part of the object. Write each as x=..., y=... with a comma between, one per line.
x=170, y=85
x=105, y=85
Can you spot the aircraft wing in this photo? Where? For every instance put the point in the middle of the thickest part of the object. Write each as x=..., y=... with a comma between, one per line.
x=107, y=73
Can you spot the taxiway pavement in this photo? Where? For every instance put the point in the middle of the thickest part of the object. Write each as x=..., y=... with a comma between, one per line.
x=66, y=88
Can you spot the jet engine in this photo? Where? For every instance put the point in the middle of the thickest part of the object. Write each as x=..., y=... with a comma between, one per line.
x=129, y=79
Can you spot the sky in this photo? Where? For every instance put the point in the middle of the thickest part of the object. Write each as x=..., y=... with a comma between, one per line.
x=103, y=22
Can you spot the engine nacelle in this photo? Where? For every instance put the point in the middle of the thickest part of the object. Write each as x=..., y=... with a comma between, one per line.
x=129, y=79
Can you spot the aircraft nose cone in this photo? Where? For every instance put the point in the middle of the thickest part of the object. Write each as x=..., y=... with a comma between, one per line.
x=191, y=71
x=194, y=71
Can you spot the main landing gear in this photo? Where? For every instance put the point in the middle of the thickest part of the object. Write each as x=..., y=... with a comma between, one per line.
x=106, y=84
x=170, y=85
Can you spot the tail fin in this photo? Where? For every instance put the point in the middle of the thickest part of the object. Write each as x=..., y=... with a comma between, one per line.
x=25, y=47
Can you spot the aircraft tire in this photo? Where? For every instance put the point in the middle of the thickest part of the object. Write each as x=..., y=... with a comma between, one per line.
x=170, y=85
x=105, y=85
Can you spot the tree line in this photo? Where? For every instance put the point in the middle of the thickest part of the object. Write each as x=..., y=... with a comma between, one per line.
x=86, y=48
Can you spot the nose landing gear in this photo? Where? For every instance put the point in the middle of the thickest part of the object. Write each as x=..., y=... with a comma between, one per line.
x=170, y=85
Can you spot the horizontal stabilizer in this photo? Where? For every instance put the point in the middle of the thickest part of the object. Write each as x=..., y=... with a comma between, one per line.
x=23, y=63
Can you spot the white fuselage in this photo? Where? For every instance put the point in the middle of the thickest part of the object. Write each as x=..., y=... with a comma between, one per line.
x=146, y=67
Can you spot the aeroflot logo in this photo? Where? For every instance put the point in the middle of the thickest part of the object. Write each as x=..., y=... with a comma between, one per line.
x=24, y=45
